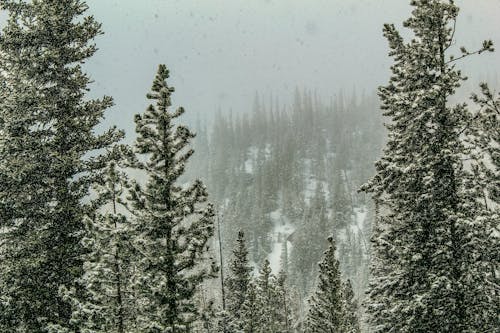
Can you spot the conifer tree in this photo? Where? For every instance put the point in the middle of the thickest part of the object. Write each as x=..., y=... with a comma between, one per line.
x=326, y=312
x=307, y=249
x=305, y=254
x=350, y=316
x=48, y=132
x=174, y=223
x=237, y=283
x=270, y=292
x=425, y=266
x=251, y=315
x=264, y=284
x=284, y=311
x=110, y=277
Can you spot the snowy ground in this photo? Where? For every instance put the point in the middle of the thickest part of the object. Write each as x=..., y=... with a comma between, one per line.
x=360, y=217
x=282, y=228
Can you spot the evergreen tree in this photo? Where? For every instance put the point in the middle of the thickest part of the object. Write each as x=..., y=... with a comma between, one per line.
x=110, y=273
x=264, y=284
x=307, y=250
x=326, y=312
x=350, y=316
x=426, y=269
x=251, y=314
x=304, y=256
x=270, y=292
x=237, y=284
x=48, y=134
x=174, y=223
x=284, y=311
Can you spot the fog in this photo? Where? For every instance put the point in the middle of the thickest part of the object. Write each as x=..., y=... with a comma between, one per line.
x=97, y=237
x=221, y=52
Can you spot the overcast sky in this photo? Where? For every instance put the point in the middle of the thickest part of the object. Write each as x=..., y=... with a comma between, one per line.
x=220, y=52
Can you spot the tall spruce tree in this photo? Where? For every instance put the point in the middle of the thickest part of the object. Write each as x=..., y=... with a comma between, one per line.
x=350, y=313
x=174, y=223
x=47, y=134
x=271, y=291
x=284, y=311
x=237, y=284
x=305, y=253
x=110, y=276
x=326, y=306
x=265, y=297
x=251, y=315
x=425, y=272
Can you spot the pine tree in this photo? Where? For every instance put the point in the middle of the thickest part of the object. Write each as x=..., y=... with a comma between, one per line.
x=350, y=317
x=270, y=291
x=110, y=277
x=304, y=256
x=47, y=134
x=264, y=284
x=326, y=312
x=424, y=268
x=251, y=315
x=284, y=311
x=174, y=223
x=237, y=284
x=307, y=250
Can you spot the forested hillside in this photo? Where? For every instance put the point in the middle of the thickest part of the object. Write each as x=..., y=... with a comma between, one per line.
x=288, y=176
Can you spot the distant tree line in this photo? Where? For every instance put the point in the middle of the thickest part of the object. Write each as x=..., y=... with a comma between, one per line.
x=299, y=165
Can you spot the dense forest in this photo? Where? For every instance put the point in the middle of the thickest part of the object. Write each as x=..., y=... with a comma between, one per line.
x=287, y=176
x=288, y=173
x=363, y=212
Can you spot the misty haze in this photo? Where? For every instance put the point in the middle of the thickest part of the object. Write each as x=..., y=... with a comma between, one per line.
x=265, y=166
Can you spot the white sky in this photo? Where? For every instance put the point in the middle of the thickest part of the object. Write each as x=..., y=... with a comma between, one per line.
x=220, y=52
